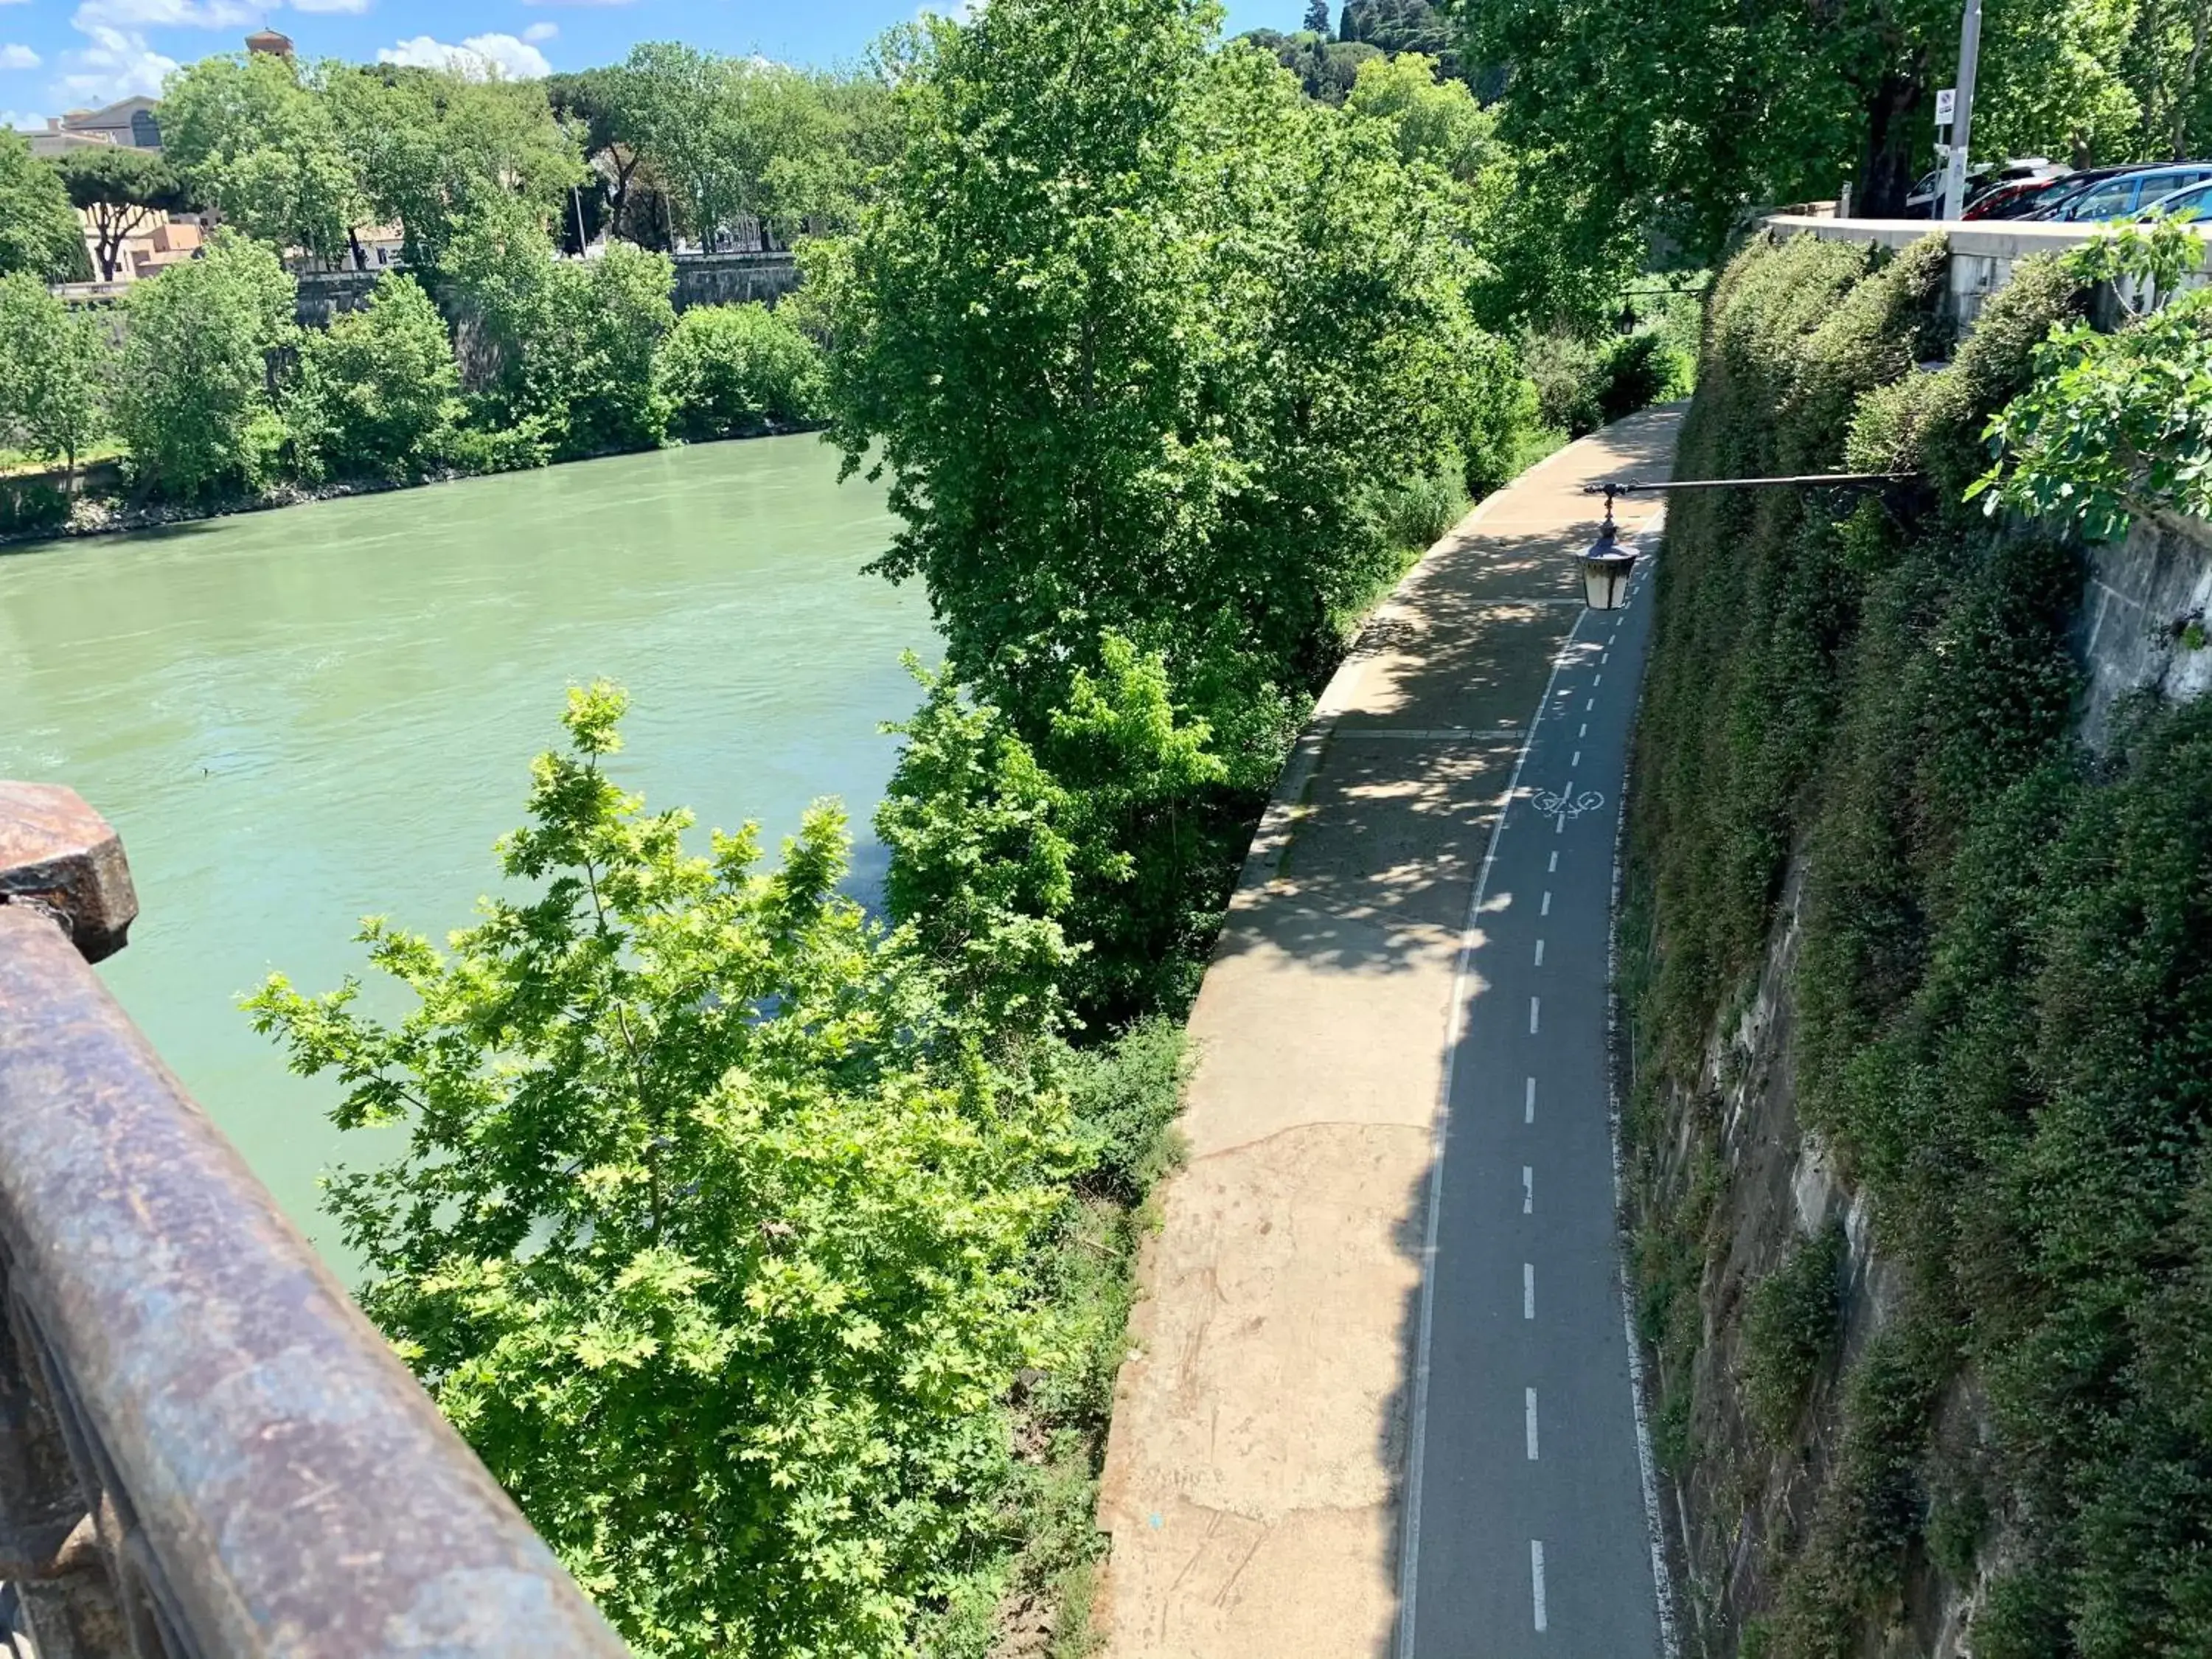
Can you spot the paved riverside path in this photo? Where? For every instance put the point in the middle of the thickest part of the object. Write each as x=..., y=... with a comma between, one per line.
x=1263, y=1473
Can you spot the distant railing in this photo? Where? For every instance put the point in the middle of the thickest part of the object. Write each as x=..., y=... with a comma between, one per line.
x=206, y=1452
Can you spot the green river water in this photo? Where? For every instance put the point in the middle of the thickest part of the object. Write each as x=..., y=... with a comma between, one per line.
x=300, y=717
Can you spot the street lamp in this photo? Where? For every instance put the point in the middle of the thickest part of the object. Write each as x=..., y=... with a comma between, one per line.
x=1607, y=565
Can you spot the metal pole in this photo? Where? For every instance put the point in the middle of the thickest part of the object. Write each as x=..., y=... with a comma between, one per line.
x=1962, y=115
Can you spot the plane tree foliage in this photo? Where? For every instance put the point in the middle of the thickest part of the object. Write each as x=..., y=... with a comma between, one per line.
x=732, y=139
x=38, y=232
x=2115, y=424
x=1139, y=335
x=1680, y=120
x=427, y=146
x=257, y=141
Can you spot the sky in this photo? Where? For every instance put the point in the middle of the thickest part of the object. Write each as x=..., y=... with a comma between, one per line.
x=57, y=55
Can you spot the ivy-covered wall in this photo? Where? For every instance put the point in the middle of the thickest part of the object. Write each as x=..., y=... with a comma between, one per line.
x=1922, y=1069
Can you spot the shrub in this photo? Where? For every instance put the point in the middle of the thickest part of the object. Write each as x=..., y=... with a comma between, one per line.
x=1413, y=514
x=1127, y=1096
x=567, y=347
x=31, y=507
x=1582, y=384
x=1634, y=371
x=192, y=400
x=732, y=371
x=711, y=1237
x=1565, y=371
x=377, y=392
x=1790, y=1323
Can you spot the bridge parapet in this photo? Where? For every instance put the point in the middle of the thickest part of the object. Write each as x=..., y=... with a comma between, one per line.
x=206, y=1451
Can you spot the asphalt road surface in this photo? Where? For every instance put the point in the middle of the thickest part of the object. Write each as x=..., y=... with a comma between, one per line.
x=1526, y=1519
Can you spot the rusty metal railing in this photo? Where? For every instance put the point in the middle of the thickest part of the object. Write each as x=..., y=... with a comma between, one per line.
x=206, y=1452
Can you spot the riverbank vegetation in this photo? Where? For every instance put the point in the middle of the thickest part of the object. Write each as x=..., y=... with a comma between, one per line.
x=487, y=184
x=2000, y=1029
x=776, y=1257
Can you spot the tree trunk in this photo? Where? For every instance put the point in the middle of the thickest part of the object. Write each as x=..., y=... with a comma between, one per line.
x=2184, y=102
x=1886, y=167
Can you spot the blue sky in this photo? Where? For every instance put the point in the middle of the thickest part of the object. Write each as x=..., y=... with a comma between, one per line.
x=57, y=55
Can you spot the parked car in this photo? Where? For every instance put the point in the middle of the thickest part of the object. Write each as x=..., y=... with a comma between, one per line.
x=2030, y=199
x=2193, y=202
x=2010, y=201
x=2123, y=194
x=1983, y=179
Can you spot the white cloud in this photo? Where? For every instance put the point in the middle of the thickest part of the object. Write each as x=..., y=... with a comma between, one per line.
x=479, y=58
x=116, y=63
x=526, y=2
x=352, y=8
x=21, y=119
x=541, y=31
x=19, y=58
x=117, y=60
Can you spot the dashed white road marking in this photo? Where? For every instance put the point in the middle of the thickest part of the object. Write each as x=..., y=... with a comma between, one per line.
x=1528, y=1290
x=1578, y=760
x=1539, y=953
x=1546, y=910
x=1532, y=1424
x=1597, y=682
x=1528, y=1107
x=1528, y=1189
x=1532, y=1004
x=1591, y=704
x=1536, y=1576
x=1585, y=731
x=1555, y=861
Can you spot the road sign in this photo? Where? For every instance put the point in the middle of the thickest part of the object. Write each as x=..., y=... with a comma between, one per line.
x=1947, y=105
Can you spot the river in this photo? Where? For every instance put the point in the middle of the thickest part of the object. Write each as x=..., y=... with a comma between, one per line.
x=302, y=717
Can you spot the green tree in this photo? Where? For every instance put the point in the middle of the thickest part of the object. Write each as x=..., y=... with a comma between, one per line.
x=119, y=190
x=38, y=232
x=378, y=391
x=1317, y=18
x=591, y=109
x=1326, y=68
x=430, y=148
x=1135, y=336
x=567, y=347
x=728, y=371
x=694, y=115
x=1434, y=120
x=256, y=141
x=731, y=139
x=982, y=870
x=53, y=372
x=192, y=401
x=1682, y=120
x=1402, y=26
x=1149, y=344
x=706, y=1229
x=2115, y=423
